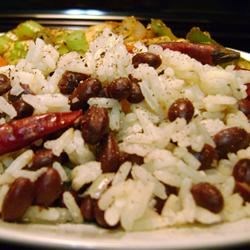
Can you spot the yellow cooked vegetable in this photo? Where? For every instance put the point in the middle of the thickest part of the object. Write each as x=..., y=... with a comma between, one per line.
x=28, y=30
x=161, y=29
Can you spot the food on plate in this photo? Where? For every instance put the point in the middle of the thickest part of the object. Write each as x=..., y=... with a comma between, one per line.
x=198, y=44
x=122, y=125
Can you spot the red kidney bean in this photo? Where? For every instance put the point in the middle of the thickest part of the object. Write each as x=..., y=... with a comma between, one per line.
x=42, y=158
x=181, y=108
x=134, y=158
x=22, y=108
x=206, y=156
x=244, y=106
x=241, y=174
x=87, y=208
x=119, y=88
x=69, y=81
x=241, y=171
x=208, y=196
x=95, y=124
x=18, y=199
x=136, y=95
x=5, y=85
x=99, y=217
x=85, y=90
x=230, y=140
x=104, y=92
x=91, y=212
x=243, y=189
x=248, y=90
x=48, y=188
x=109, y=154
x=151, y=59
x=125, y=106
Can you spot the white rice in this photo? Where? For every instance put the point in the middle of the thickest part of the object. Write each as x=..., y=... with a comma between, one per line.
x=85, y=173
x=73, y=208
x=47, y=103
x=7, y=108
x=128, y=196
x=36, y=214
x=100, y=184
x=59, y=168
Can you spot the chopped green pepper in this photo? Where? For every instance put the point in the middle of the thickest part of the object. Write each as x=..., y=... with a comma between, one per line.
x=62, y=49
x=161, y=29
x=16, y=51
x=76, y=40
x=28, y=30
x=195, y=35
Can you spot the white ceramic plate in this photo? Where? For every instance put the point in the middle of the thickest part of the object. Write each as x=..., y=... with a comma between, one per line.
x=69, y=236
x=90, y=237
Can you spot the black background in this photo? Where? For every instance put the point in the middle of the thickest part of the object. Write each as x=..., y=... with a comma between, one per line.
x=227, y=21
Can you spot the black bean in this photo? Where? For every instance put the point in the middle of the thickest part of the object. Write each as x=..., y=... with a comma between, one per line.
x=119, y=88
x=206, y=156
x=95, y=124
x=109, y=154
x=241, y=171
x=181, y=108
x=5, y=85
x=18, y=199
x=42, y=158
x=241, y=174
x=87, y=208
x=70, y=80
x=243, y=189
x=48, y=188
x=230, y=140
x=85, y=90
x=208, y=196
x=104, y=92
x=244, y=106
x=136, y=95
x=248, y=90
x=22, y=108
x=151, y=59
x=133, y=158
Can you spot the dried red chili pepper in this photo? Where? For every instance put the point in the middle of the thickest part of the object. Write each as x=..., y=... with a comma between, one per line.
x=17, y=134
x=204, y=53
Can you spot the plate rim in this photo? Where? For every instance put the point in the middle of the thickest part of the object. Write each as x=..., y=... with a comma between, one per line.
x=11, y=235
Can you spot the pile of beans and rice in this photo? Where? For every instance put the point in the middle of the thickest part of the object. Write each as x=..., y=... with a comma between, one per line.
x=162, y=140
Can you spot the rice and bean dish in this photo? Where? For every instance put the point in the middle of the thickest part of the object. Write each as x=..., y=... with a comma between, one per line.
x=127, y=134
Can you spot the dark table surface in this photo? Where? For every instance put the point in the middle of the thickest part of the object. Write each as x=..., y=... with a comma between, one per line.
x=9, y=246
